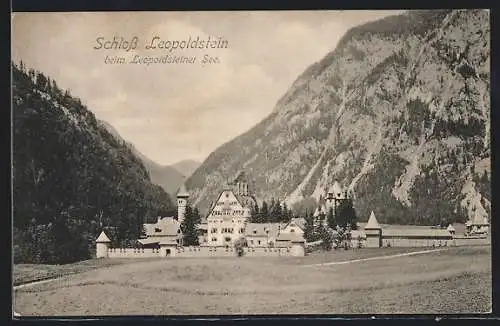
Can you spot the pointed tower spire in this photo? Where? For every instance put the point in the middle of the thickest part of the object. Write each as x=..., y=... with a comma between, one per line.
x=103, y=238
x=372, y=223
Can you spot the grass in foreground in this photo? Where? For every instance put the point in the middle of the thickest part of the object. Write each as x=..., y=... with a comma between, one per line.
x=26, y=273
x=456, y=280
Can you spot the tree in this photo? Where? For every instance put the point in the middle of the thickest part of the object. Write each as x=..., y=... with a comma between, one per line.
x=189, y=227
x=286, y=215
x=264, y=213
x=255, y=214
x=277, y=212
x=309, y=228
x=330, y=218
x=346, y=214
x=327, y=238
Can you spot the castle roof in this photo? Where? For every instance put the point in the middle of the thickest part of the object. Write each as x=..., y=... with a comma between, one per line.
x=335, y=189
x=298, y=221
x=260, y=229
x=103, y=238
x=182, y=191
x=372, y=222
x=167, y=226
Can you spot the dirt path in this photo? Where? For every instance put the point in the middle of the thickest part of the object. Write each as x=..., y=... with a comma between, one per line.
x=374, y=258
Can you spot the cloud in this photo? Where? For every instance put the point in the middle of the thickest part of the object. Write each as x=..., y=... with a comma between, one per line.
x=173, y=112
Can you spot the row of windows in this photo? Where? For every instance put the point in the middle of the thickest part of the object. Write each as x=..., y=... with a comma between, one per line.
x=227, y=239
x=232, y=221
x=228, y=212
x=227, y=230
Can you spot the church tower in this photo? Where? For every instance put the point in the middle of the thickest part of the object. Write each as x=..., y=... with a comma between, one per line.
x=182, y=198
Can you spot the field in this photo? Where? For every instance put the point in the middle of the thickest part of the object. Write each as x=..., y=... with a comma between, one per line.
x=453, y=280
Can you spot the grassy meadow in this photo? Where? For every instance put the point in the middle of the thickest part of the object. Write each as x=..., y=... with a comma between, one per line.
x=454, y=280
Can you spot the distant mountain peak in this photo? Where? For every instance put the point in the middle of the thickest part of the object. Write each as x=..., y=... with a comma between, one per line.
x=398, y=114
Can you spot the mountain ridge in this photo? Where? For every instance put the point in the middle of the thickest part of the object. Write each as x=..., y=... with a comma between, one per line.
x=400, y=105
x=169, y=177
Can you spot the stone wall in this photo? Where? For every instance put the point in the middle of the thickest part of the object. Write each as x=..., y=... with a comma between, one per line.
x=405, y=242
x=134, y=253
x=197, y=252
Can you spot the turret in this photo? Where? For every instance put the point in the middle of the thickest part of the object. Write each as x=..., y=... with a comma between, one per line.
x=373, y=232
x=182, y=198
x=102, y=245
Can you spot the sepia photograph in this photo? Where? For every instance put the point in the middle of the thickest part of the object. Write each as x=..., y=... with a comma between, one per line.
x=249, y=163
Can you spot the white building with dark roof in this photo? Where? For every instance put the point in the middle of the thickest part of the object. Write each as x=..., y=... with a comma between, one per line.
x=165, y=233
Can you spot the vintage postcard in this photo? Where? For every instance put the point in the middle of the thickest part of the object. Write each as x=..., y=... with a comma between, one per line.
x=251, y=163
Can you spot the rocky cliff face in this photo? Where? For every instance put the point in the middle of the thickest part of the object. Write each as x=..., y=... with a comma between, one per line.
x=398, y=113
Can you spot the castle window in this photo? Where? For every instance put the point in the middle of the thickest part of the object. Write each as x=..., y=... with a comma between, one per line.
x=292, y=230
x=157, y=230
x=259, y=241
x=214, y=239
x=254, y=231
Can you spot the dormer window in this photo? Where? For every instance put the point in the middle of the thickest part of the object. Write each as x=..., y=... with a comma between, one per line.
x=254, y=231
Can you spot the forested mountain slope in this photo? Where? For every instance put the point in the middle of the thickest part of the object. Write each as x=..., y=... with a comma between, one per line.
x=398, y=112
x=71, y=177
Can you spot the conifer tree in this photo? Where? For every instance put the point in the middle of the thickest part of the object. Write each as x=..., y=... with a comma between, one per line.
x=264, y=213
x=309, y=227
x=255, y=214
x=286, y=214
x=330, y=218
x=277, y=212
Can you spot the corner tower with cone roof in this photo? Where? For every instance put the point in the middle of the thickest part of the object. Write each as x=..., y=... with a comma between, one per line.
x=102, y=244
x=373, y=232
x=182, y=198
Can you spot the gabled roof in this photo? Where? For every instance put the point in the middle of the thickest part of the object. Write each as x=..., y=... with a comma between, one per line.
x=299, y=221
x=260, y=229
x=480, y=219
x=168, y=226
x=372, y=222
x=103, y=238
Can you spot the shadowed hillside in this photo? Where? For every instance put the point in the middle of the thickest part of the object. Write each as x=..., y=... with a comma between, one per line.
x=71, y=176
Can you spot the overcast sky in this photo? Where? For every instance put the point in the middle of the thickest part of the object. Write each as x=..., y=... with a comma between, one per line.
x=172, y=112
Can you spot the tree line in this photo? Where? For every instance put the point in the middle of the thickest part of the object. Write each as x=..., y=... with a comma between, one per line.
x=71, y=177
x=333, y=226
x=274, y=212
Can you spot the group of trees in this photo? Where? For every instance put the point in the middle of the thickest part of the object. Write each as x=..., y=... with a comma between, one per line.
x=333, y=226
x=275, y=212
x=71, y=177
